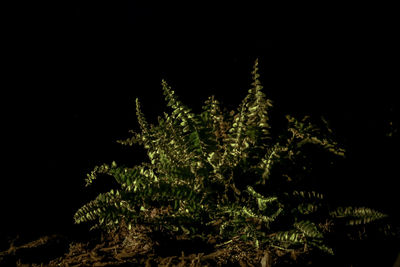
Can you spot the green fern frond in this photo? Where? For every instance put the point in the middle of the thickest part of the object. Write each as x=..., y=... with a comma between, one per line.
x=180, y=112
x=272, y=155
x=142, y=121
x=307, y=208
x=308, y=194
x=108, y=204
x=321, y=246
x=307, y=133
x=261, y=201
x=212, y=112
x=102, y=169
x=135, y=139
x=357, y=216
x=259, y=106
x=237, y=142
x=246, y=211
x=292, y=236
x=310, y=201
x=309, y=229
x=171, y=143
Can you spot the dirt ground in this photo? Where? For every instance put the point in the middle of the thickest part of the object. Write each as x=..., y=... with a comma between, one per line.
x=141, y=247
x=136, y=248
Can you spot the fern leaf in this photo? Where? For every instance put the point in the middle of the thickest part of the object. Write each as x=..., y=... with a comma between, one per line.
x=308, y=228
x=308, y=194
x=102, y=169
x=267, y=162
x=261, y=200
x=357, y=216
x=135, y=139
x=291, y=236
x=321, y=246
x=180, y=112
x=307, y=208
x=258, y=106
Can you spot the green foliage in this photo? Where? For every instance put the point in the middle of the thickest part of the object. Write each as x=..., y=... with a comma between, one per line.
x=224, y=174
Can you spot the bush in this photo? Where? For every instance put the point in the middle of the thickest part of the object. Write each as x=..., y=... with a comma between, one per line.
x=226, y=175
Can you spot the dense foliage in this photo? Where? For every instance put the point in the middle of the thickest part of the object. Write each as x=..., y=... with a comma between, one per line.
x=226, y=175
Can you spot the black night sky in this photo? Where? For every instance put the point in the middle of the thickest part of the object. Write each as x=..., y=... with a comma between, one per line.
x=73, y=72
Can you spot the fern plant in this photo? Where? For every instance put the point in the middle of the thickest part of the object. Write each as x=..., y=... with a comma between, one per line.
x=224, y=174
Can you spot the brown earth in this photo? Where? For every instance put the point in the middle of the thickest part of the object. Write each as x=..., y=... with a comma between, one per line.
x=142, y=247
x=136, y=248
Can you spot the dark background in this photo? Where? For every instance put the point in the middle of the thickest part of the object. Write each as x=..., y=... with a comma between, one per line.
x=72, y=73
